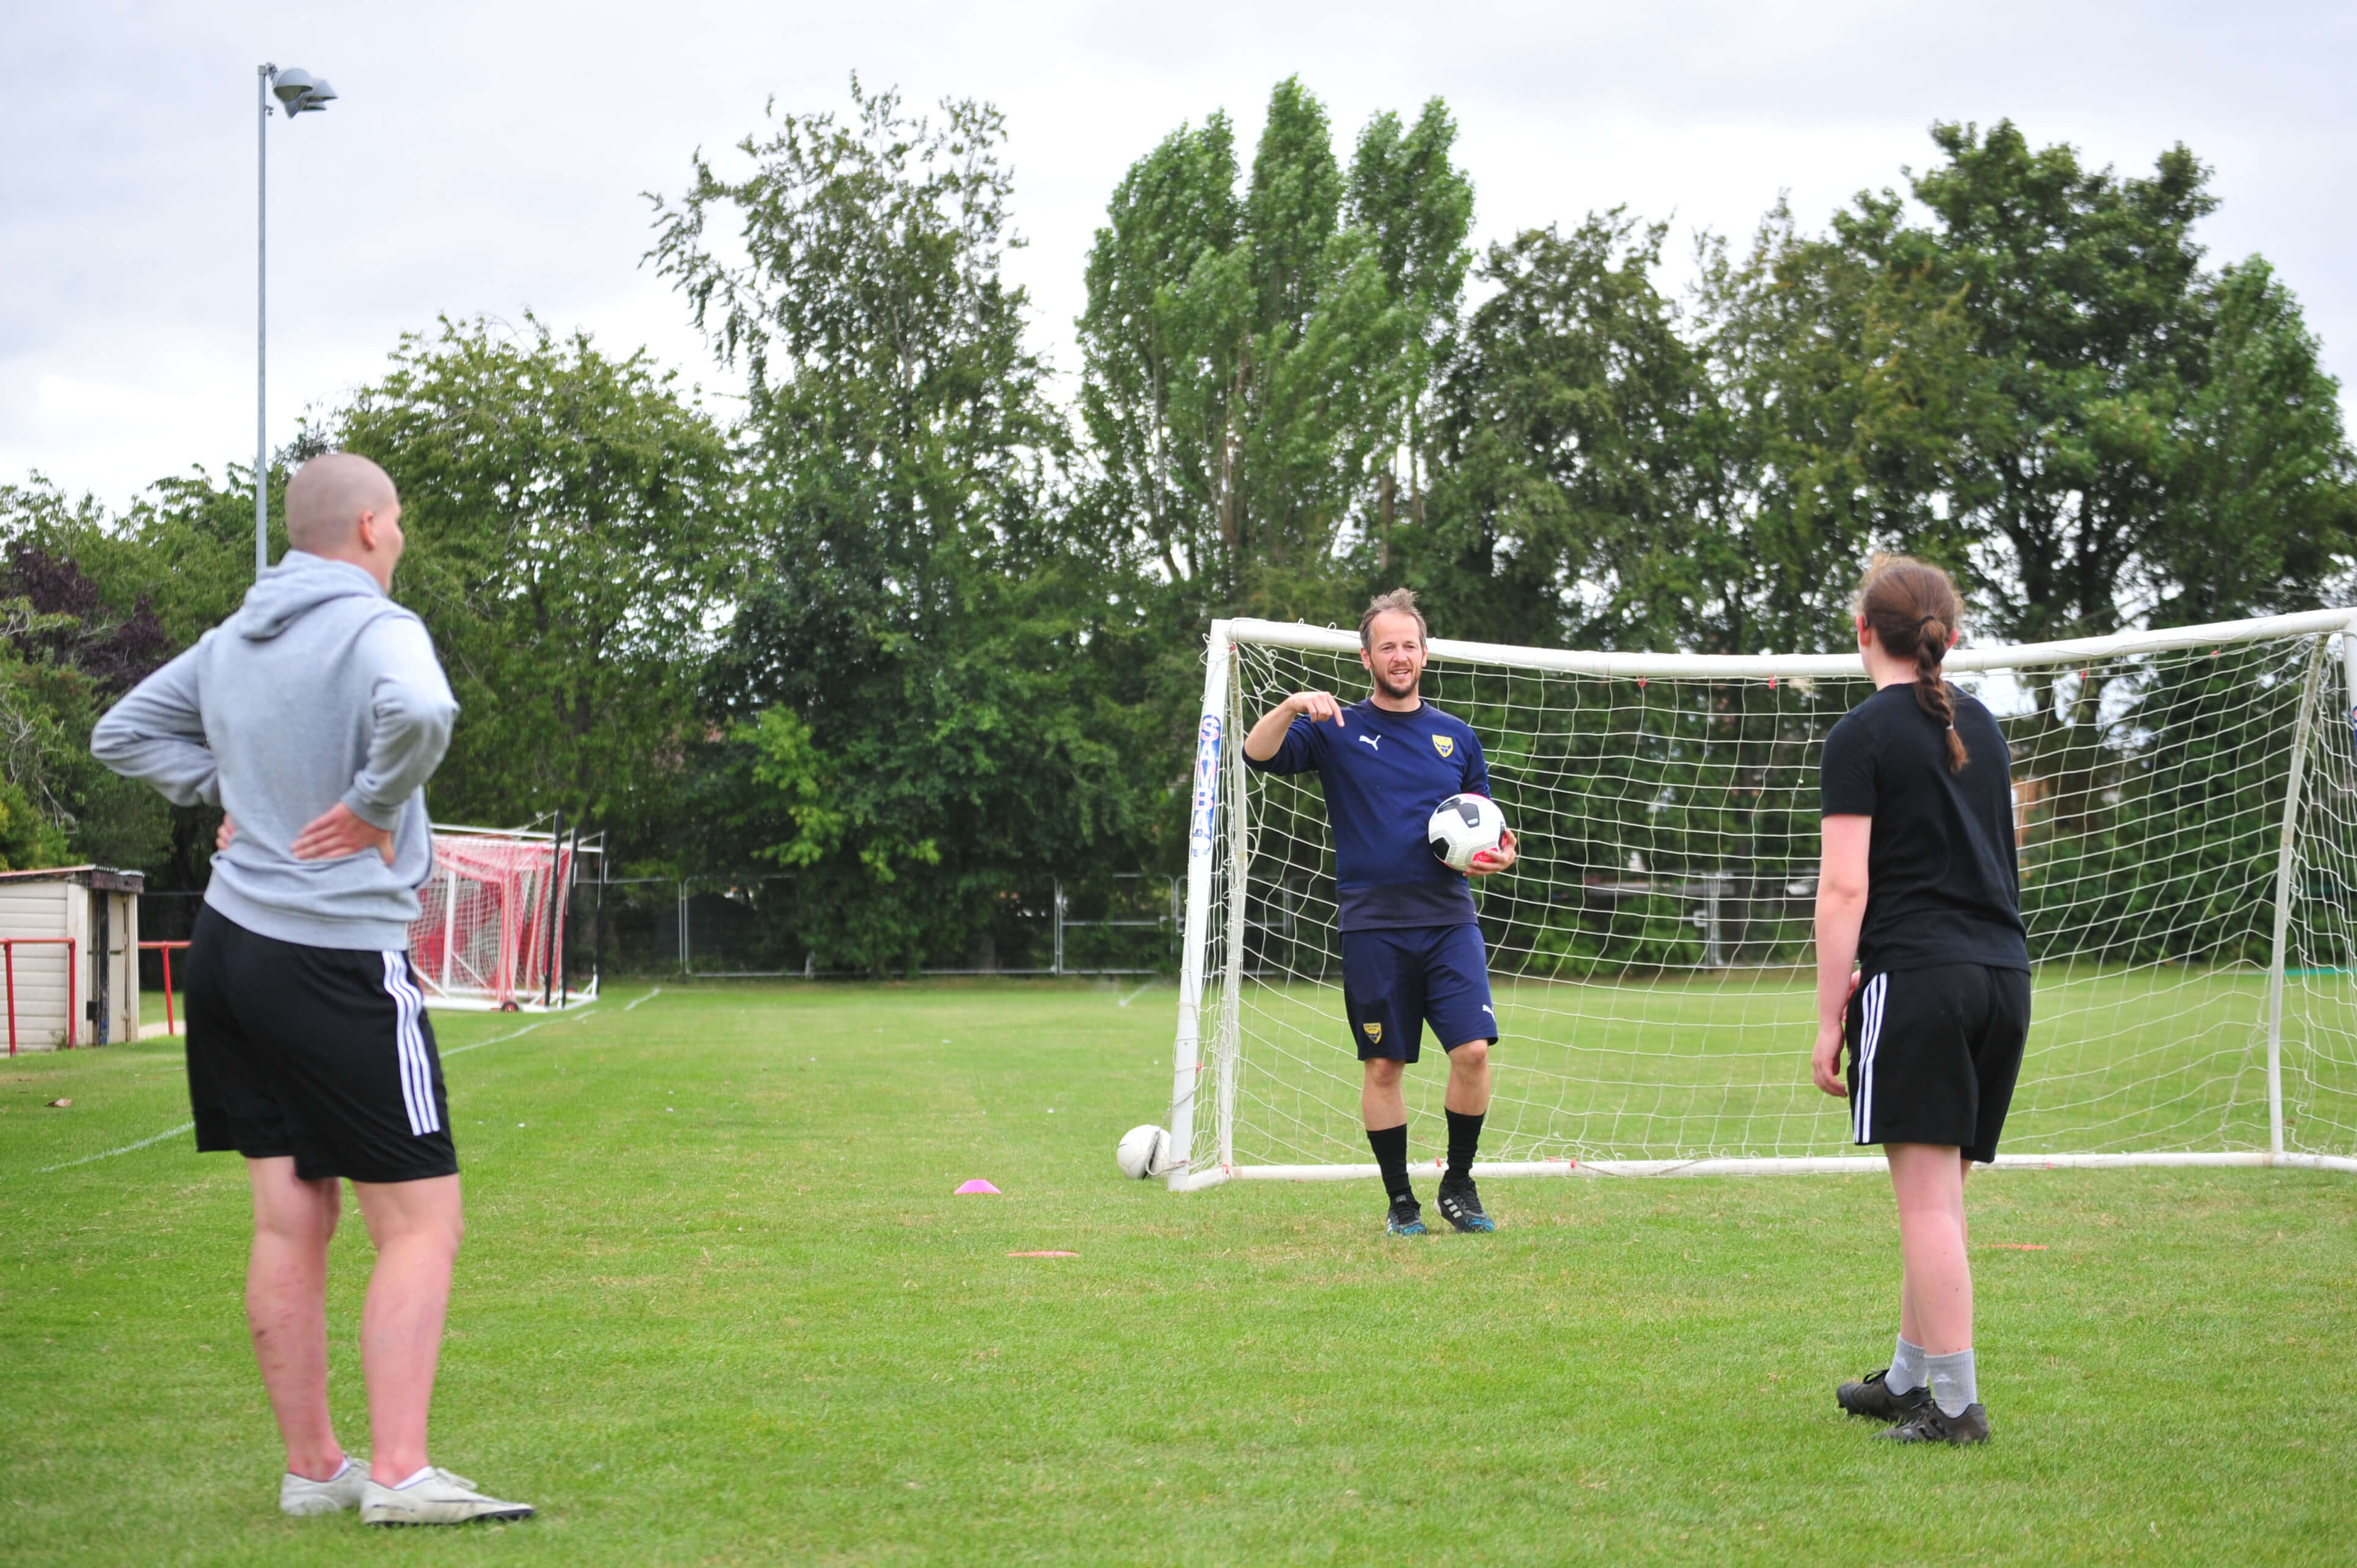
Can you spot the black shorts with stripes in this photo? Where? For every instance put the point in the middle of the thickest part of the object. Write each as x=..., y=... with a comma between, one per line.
x=322, y=1053
x=1933, y=1054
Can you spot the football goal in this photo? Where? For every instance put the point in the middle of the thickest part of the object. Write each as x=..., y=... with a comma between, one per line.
x=492, y=925
x=2185, y=809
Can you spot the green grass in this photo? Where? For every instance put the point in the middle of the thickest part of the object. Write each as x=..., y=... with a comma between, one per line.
x=719, y=1306
x=2161, y=1056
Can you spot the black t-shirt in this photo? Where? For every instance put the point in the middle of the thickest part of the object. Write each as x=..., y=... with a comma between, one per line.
x=1942, y=882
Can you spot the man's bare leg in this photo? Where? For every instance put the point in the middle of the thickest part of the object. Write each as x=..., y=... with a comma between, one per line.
x=1380, y=1103
x=416, y=1227
x=1468, y=1079
x=286, y=1308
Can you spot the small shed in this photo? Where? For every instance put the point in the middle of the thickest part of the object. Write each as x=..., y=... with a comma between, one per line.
x=70, y=956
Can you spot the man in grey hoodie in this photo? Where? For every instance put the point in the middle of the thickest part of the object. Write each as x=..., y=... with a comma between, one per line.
x=313, y=717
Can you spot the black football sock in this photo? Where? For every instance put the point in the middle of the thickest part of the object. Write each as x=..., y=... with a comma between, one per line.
x=1390, y=1144
x=1464, y=1137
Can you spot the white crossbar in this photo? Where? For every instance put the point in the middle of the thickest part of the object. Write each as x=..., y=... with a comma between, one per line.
x=1823, y=666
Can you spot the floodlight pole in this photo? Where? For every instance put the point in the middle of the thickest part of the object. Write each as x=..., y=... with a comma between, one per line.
x=301, y=95
x=263, y=76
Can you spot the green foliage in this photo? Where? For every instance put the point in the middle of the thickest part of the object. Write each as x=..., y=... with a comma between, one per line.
x=1252, y=364
x=1574, y=498
x=569, y=517
x=931, y=675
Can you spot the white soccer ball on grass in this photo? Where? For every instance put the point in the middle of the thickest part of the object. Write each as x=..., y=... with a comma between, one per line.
x=1462, y=826
x=1144, y=1151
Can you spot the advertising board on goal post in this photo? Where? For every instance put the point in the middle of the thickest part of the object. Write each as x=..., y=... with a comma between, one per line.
x=493, y=919
x=2185, y=819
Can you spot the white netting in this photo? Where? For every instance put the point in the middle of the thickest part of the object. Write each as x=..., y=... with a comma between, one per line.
x=484, y=933
x=1652, y=955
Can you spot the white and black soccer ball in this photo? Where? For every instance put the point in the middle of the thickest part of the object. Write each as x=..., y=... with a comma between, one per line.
x=1145, y=1151
x=1461, y=827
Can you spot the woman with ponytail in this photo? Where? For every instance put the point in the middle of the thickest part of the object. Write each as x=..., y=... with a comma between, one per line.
x=1923, y=973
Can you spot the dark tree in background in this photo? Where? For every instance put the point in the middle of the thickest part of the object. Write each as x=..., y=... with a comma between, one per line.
x=1257, y=360
x=926, y=685
x=571, y=548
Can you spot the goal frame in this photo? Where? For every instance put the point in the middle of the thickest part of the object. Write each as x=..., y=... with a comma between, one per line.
x=1202, y=1061
x=446, y=983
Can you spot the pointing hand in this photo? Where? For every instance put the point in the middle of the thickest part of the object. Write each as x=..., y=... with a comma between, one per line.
x=1317, y=705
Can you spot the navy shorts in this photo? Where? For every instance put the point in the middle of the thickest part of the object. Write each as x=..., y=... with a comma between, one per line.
x=1394, y=981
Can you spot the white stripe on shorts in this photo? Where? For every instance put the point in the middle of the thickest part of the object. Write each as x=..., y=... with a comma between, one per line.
x=1869, y=1035
x=409, y=1045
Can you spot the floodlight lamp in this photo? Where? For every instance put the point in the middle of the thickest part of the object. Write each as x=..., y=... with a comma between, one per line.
x=290, y=87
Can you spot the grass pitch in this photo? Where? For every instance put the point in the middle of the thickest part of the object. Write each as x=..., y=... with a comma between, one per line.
x=718, y=1304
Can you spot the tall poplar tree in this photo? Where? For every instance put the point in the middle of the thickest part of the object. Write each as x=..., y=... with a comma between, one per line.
x=1254, y=360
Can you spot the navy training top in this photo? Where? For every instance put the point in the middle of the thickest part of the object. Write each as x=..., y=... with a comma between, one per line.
x=1382, y=773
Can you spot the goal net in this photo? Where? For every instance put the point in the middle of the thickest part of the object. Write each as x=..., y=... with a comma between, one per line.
x=2186, y=811
x=490, y=929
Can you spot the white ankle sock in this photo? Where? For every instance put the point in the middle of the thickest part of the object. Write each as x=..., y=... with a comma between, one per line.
x=425, y=1470
x=1954, y=1384
x=1905, y=1368
x=336, y=1477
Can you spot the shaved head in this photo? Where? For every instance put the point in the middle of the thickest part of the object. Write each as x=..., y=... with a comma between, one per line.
x=327, y=496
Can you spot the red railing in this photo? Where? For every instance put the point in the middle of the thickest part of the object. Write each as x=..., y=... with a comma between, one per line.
x=166, y=949
x=8, y=946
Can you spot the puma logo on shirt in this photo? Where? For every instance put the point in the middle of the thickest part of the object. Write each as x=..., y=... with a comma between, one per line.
x=1372, y=740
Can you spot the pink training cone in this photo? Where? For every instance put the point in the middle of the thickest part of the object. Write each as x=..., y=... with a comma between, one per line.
x=978, y=1184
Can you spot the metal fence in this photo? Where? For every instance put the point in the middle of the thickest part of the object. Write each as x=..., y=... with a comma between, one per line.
x=711, y=927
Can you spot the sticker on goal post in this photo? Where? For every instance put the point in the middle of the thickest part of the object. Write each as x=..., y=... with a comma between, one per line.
x=1207, y=787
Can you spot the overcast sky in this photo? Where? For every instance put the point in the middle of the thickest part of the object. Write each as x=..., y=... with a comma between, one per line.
x=488, y=157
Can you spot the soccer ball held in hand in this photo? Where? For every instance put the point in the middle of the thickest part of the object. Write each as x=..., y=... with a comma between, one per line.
x=1463, y=826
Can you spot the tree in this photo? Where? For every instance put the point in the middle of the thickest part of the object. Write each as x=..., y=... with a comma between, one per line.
x=65, y=654
x=570, y=548
x=2260, y=510
x=925, y=686
x=1571, y=504
x=1253, y=362
x=2080, y=287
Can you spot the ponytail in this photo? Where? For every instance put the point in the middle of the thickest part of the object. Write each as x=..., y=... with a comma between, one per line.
x=1914, y=611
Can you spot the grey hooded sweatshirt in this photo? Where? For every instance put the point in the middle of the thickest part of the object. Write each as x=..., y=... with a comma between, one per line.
x=319, y=689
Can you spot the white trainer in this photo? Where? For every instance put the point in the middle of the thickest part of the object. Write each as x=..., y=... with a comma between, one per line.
x=303, y=1497
x=436, y=1498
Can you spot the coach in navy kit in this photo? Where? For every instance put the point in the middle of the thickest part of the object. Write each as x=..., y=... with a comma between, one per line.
x=1412, y=949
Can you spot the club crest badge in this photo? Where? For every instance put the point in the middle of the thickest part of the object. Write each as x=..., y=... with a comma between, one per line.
x=1375, y=1033
x=1445, y=744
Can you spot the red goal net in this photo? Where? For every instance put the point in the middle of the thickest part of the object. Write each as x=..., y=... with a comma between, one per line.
x=491, y=920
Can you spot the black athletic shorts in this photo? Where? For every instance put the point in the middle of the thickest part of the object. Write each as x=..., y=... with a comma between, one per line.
x=322, y=1053
x=1933, y=1054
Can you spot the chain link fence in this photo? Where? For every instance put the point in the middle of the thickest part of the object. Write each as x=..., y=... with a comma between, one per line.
x=715, y=927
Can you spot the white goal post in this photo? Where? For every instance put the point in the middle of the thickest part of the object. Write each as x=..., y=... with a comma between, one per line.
x=2185, y=810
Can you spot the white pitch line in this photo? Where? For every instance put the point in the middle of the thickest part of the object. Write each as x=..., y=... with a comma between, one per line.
x=1134, y=994
x=648, y=997
x=185, y=1126
x=167, y=1132
x=514, y=1034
